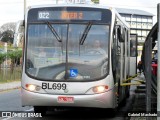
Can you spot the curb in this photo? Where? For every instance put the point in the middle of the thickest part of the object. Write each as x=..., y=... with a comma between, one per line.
x=2, y=90
x=10, y=86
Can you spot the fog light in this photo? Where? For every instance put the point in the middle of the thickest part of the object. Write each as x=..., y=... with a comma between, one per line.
x=99, y=89
x=31, y=87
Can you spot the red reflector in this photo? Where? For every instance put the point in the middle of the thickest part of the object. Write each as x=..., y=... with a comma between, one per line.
x=106, y=87
x=27, y=85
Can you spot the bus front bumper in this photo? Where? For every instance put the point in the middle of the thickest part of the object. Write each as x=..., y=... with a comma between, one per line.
x=103, y=100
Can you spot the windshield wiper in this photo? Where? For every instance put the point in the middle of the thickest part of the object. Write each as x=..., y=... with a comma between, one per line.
x=85, y=33
x=54, y=32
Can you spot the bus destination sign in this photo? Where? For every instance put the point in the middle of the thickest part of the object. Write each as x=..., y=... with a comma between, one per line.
x=72, y=15
x=69, y=15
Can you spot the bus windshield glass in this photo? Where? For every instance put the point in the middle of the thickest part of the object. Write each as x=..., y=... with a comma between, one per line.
x=50, y=59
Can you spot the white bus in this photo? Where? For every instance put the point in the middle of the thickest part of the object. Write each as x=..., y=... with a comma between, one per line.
x=74, y=56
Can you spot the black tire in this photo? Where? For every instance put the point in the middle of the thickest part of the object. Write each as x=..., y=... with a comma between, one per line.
x=127, y=89
x=40, y=109
x=121, y=101
x=128, y=92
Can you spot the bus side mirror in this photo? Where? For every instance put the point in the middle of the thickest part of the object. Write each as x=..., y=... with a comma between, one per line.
x=121, y=34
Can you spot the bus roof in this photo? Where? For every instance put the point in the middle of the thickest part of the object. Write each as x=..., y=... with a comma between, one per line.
x=70, y=5
x=113, y=10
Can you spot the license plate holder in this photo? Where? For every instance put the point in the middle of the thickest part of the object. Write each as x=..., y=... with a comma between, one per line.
x=65, y=99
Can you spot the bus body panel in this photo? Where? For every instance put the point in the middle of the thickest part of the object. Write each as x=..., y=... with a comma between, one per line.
x=103, y=100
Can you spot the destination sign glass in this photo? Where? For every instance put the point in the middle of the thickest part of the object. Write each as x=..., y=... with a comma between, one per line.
x=69, y=15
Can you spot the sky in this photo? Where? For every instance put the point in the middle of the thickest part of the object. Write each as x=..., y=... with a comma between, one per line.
x=13, y=10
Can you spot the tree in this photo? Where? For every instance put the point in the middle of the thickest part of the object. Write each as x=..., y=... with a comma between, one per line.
x=14, y=56
x=8, y=26
x=7, y=32
x=7, y=36
x=2, y=59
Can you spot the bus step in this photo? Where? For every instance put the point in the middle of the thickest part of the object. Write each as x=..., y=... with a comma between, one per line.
x=141, y=87
x=140, y=91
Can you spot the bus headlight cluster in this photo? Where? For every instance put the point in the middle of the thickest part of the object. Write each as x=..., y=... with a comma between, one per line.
x=98, y=89
x=32, y=87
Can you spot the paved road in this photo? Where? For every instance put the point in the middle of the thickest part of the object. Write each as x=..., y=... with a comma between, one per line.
x=11, y=101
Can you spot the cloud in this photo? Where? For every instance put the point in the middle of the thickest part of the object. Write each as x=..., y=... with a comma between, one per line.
x=10, y=11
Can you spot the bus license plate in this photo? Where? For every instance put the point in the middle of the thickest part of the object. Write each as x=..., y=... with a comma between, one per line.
x=63, y=99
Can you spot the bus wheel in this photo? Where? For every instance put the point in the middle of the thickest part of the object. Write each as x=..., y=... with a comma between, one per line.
x=128, y=92
x=127, y=89
x=40, y=109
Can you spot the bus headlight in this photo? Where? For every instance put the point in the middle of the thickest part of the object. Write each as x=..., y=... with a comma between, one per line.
x=98, y=89
x=32, y=87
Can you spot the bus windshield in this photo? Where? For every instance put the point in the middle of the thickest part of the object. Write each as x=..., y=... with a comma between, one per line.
x=50, y=59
